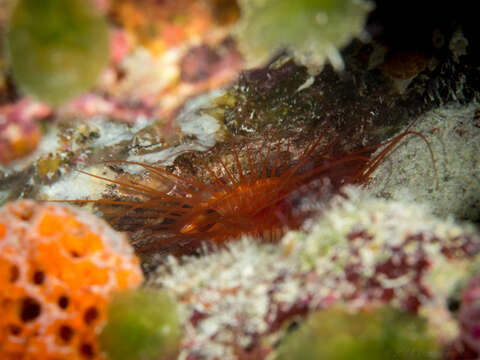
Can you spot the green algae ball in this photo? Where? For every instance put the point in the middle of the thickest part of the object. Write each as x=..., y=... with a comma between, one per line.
x=312, y=30
x=57, y=48
x=142, y=324
x=380, y=334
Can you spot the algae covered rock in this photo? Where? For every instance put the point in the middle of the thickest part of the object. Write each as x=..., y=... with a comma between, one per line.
x=143, y=325
x=57, y=48
x=360, y=252
x=336, y=334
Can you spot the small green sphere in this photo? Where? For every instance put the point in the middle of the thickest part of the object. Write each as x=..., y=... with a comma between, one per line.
x=142, y=324
x=57, y=48
x=380, y=334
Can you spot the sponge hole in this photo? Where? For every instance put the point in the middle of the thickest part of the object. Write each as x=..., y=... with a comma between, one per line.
x=90, y=315
x=63, y=302
x=14, y=329
x=86, y=351
x=30, y=309
x=66, y=333
x=14, y=273
x=38, y=277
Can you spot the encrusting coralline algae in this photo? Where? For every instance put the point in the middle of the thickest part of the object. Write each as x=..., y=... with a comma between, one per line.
x=360, y=252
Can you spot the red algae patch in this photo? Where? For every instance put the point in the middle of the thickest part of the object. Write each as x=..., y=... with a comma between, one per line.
x=58, y=267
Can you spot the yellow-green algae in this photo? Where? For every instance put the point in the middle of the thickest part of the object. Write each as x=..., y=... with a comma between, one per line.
x=379, y=334
x=312, y=29
x=57, y=48
x=142, y=324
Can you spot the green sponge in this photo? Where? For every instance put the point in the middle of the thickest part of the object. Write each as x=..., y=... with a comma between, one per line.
x=313, y=30
x=57, y=48
x=380, y=334
x=142, y=324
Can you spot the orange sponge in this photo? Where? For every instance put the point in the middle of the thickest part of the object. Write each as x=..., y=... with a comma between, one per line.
x=58, y=267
